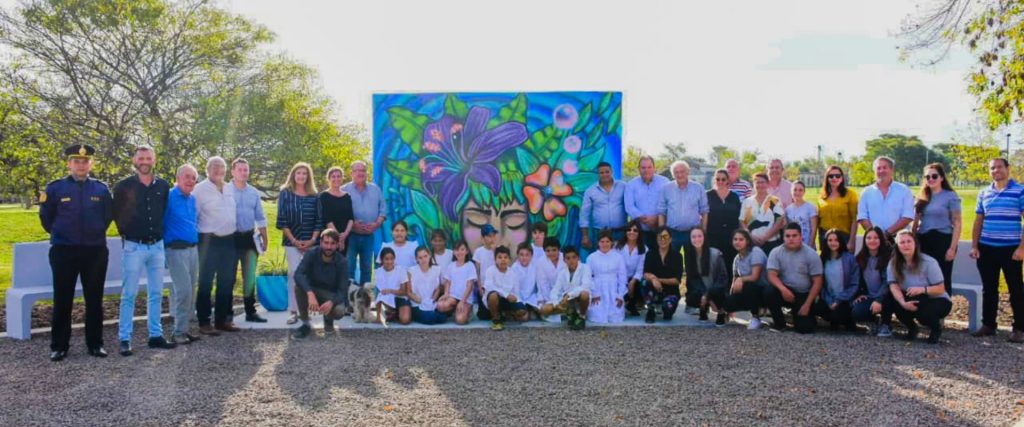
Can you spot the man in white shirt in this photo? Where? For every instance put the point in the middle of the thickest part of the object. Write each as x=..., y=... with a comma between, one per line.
x=215, y=206
x=886, y=203
x=777, y=185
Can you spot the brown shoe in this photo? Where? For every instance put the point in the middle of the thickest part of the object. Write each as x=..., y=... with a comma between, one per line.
x=1017, y=336
x=208, y=330
x=984, y=331
x=228, y=327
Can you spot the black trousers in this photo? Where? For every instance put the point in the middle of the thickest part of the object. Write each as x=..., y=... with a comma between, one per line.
x=930, y=312
x=991, y=260
x=748, y=299
x=322, y=296
x=841, y=315
x=802, y=324
x=68, y=263
x=935, y=244
x=218, y=259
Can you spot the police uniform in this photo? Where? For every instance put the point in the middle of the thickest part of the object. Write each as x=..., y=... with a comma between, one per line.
x=77, y=214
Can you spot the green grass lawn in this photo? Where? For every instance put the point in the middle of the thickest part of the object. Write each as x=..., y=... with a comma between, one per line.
x=21, y=225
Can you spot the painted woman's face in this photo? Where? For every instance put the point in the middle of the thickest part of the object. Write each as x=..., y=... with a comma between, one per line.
x=510, y=220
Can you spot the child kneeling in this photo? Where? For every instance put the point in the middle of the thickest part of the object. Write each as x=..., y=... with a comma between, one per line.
x=570, y=294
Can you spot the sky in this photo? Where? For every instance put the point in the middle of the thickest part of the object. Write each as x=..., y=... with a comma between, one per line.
x=779, y=76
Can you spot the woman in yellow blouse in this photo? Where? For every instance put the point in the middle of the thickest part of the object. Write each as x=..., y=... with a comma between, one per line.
x=837, y=207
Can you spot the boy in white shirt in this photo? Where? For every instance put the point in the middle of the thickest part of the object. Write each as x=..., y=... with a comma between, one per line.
x=500, y=289
x=528, y=291
x=571, y=292
x=484, y=257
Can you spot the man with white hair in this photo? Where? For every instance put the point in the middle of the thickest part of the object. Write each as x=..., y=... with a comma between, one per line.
x=737, y=184
x=886, y=203
x=777, y=185
x=181, y=236
x=682, y=205
x=215, y=203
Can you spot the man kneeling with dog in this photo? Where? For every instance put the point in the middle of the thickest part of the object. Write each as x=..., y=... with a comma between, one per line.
x=322, y=276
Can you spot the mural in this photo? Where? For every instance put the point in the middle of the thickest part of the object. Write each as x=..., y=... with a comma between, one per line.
x=458, y=161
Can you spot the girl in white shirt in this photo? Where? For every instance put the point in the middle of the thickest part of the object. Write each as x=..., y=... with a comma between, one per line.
x=458, y=281
x=633, y=252
x=405, y=252
x=439, y=249
x=422, y=289
x=606, y=297
x=388, y=280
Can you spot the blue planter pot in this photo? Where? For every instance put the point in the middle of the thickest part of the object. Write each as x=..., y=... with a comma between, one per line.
x=273, y=292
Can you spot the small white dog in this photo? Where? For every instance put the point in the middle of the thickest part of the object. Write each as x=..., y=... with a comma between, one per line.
x=360, y=298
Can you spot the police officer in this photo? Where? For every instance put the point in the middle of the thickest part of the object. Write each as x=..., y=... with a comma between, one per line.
x=76, y=211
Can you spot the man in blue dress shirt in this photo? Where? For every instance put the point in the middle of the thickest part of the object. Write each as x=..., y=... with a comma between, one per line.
x=641, y=198
x=603, y=207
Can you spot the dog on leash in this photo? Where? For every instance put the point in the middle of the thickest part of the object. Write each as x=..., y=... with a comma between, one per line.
x=360, y=299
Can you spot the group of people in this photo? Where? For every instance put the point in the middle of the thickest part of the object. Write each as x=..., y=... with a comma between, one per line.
x=650, y=245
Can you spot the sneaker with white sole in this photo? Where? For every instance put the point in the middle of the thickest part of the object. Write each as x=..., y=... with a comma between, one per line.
x=884, y=331
x=754, y=324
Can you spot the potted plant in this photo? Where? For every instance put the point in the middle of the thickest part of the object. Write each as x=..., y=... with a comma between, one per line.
x=272, y=282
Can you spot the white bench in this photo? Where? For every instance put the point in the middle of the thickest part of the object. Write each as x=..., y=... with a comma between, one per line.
x=967, y=283
x=32, y=280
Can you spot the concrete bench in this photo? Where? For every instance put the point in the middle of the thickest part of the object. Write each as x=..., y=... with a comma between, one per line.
x=32, y=280
x=967, y=283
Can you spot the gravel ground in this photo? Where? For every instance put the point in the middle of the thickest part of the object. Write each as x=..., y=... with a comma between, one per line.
x=614, y=376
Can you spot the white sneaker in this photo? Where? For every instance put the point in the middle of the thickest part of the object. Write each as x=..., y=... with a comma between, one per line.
x=884, y=331
x=754, y=324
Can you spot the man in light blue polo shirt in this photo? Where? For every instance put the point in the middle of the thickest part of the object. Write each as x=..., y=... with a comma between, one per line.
x=997, y=245
x=886, y=203
x=603, y=207
x=249, y=218
x=369, y=210
x=181, y=235
x=641, y=198
x=682, y=205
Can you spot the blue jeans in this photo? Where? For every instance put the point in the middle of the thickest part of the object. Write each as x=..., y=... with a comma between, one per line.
x=363, y=247
x=136, y=259
x=679, y=238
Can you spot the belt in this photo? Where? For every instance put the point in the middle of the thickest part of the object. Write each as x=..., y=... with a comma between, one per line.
x=179, y=244
x=144, y=240
x=245, y=232
x=214, y=236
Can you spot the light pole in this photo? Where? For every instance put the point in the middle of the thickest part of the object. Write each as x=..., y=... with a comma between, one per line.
x=1007, y=145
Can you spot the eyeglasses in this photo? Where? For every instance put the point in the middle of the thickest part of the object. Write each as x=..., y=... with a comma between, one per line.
x=931, y=177
x=665, y=236
x=835, y=176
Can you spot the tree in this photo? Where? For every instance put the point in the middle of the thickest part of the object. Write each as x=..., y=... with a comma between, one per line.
x=631, y=162
x=117, y=73
x=992, y=32
x=185, y=77
x=969, y=163
x=29, y=159
x=719, y=154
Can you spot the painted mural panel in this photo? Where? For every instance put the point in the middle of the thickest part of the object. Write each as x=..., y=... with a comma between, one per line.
x=458, y=161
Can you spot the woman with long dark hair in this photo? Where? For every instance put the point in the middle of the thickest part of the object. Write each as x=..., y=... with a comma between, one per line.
x=873, y=305
x=837, y=207
x=842, y=280
x=631, y=247
x=750, y=277
x=723, y=218
x=705, y=270
x=915, y=281
x=937, y=223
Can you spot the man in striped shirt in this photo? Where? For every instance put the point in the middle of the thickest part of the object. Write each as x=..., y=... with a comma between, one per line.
x=997, y=245
x=736, y=183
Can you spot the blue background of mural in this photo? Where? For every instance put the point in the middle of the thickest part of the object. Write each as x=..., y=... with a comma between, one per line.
x=543, y=171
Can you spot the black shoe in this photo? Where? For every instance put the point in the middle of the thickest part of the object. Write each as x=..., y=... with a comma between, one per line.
x=933, y=338
x=254, y=318
x=633, y=311
x=650, y=315
x=97, y=352
x=721, y=319
x=57, y=356
x=126, y=348
x=666, y=317
x=911, y=333
x=703, y=314
x=302, y=332
x=160, y=342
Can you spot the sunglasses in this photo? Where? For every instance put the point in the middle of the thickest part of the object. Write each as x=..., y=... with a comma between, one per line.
x=665, y=236
x=721, y=179
x=835, y=176
x=633, y=230
x=931, y=177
